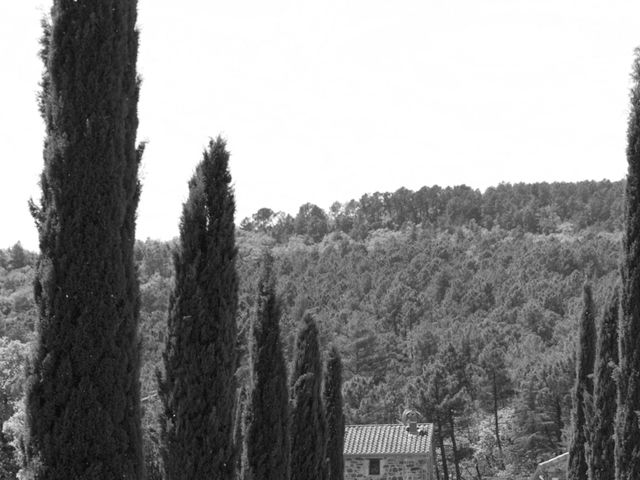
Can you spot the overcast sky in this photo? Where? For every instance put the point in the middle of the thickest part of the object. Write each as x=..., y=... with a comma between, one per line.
x=326, y=100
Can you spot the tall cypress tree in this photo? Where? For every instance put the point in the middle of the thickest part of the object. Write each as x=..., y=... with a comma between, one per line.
x=627, y=428
x=601, y=455
x=198, y=388
x=583, y=388
x=332, y=395
x=83, y=392
x=308, y=425
x=266, y=434
x=238, y=428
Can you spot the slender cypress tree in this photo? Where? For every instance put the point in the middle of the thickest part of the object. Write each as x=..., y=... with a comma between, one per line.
x=238, y=428
x=308, y=425
x=627, y=428
x=266, y=433
x=601, y=455
x=198, y=388
x=83, y=392
x=585, y=356
x=8, y=465
x=332, y=395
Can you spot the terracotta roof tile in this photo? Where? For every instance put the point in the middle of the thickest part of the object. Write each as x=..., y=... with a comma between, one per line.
x=387, y=440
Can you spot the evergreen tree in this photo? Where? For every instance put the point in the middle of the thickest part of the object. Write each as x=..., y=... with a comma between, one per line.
x=266, y=434
x=497, y=385
x=8, y=465
x=431, y=395
x=17, y=256
x=627, y=428
x=307, y=428
x=332, y=396
x=238, y=436
x=601, y=452
x=198, y=388
x=583, y=388
x=83, y=392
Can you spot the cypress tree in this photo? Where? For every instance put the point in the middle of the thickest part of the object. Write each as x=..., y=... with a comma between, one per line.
x=83, y=391
x=238, y=427
x=266, y=433
x=307, y=429
x=601, y=455
x=585, y=355
x=8, y=465
x=627, y=428
x=198, y=388
x=332, y=395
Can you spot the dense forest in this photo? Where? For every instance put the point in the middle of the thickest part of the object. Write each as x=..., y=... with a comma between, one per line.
x=461, y=304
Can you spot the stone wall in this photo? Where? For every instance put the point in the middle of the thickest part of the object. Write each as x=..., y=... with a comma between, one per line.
x=391, y=468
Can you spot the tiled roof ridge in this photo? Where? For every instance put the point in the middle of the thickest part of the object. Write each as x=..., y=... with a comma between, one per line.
x=382, y=424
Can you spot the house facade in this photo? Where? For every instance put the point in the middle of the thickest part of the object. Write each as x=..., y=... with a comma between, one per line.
x=389, y=452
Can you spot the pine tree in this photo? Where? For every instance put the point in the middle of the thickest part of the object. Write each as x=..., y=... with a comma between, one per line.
x=431, y=394
x=266, y=433
x=332, y=395
x=308, y=425
x=83, y=391
x=497, y=385
x=198, y=388
x=585, y=355
x=627, y=428
x=601, y=452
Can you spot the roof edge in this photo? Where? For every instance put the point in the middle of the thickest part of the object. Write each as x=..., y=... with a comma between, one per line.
x=385, y=455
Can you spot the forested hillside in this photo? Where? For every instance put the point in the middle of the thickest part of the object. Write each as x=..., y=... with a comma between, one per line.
x=460, y=304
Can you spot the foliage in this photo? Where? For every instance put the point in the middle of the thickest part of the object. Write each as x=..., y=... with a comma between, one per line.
x=266, y=429
x=534, y=208
x=390, y=301
x=601, y=453
x=627, y=427
x=308, y=423
x=83, y=390
x=580, y=440
x=197, y=387
x=332, y=396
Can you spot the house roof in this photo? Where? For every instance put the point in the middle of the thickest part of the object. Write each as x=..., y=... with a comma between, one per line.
x=369, y=440
x=555, y=460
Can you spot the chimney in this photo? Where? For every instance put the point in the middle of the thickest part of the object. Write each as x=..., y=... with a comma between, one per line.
x=410, y=419
x=413, y=427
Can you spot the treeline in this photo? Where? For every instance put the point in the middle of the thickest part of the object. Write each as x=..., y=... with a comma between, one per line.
x=533, y=208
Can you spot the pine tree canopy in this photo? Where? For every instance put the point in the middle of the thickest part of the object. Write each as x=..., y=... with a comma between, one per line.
x=83, y=413
x=198, y=388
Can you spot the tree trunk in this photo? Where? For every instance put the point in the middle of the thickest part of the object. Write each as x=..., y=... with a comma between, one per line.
x=453, y=444
x=559, y=422
x=495, y=417
x=478, y=471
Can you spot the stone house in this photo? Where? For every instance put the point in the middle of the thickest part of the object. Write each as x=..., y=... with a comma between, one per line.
x=389, y=452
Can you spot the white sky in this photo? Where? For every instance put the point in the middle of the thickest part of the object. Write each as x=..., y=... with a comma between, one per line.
x=326, y=100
